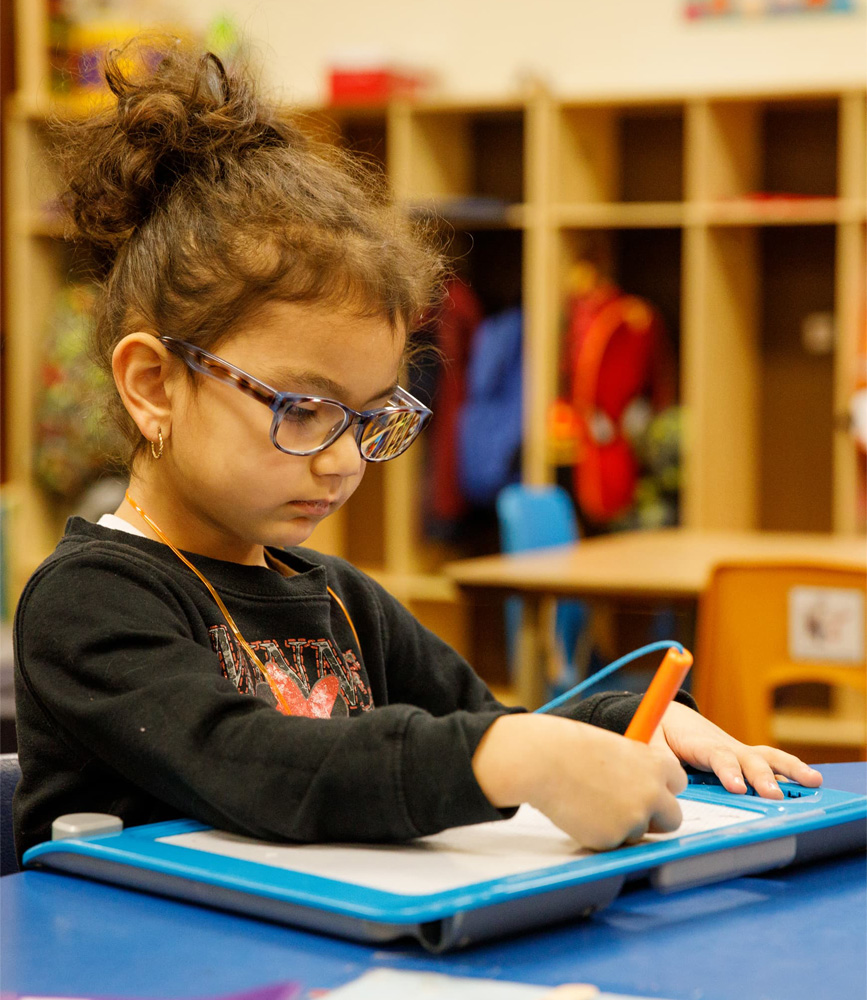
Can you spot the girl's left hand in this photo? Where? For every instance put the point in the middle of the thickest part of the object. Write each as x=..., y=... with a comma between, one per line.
x=697, y=741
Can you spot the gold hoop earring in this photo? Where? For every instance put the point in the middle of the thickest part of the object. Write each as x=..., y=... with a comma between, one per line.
x=157, y=454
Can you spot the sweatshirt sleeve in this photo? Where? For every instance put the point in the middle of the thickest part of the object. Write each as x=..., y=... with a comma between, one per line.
x=110, y=659
x=423, y=670
x=611, y=709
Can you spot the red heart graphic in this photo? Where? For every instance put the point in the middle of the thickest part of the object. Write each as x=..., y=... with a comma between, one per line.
x=320, y=702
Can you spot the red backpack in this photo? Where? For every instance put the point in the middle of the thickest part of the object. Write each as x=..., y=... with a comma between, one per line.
x=618, y=351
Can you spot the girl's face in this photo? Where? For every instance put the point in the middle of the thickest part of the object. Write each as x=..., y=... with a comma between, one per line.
x=233, y=490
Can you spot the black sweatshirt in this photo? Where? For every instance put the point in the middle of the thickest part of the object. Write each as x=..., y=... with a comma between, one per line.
x=133, y=698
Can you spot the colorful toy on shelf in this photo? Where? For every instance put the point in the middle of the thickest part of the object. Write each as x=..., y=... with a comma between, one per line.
x=362, y=76
x=81, y=32
x=562, y=433
x=618, y=354
x=73, y=444
x=657, y=493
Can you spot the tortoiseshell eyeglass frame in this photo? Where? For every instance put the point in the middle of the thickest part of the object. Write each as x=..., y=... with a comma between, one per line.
x=278, y=402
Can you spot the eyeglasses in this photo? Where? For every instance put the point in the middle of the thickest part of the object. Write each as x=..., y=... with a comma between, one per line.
x=306, y=425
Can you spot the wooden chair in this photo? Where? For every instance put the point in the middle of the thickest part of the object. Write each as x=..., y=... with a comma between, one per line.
x=765, y=626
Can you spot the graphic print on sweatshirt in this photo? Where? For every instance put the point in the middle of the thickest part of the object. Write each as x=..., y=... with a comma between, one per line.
x=314, y=678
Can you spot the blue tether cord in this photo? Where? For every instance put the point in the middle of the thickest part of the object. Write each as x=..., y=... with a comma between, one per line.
x=610, y=669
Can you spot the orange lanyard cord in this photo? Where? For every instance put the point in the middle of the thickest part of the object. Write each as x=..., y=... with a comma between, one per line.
x=342, y=607
x=231, y=621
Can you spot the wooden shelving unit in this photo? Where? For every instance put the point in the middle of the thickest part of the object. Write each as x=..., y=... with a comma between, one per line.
x=659, y=192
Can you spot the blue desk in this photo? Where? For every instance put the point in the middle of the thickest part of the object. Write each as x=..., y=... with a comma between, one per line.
x=799, y=934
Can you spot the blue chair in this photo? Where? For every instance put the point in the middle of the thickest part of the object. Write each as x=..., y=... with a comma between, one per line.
x=10, y=772
x=538, y=517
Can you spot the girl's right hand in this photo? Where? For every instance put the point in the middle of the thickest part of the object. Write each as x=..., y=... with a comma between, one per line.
x=597, y=786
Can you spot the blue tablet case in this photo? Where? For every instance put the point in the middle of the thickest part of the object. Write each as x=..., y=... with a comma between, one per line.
x=808, y=824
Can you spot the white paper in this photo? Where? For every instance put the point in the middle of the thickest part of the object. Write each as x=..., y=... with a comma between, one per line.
x=455, y=858
x=394, y=984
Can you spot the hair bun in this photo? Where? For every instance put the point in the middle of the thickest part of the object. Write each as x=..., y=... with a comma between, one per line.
x=186, y=104
x=178, y=114
x=154, y=119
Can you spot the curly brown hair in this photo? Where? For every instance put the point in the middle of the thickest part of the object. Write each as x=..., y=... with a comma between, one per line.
x=200, y=201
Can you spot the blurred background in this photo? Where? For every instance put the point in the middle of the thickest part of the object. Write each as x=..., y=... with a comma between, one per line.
x=681, y=182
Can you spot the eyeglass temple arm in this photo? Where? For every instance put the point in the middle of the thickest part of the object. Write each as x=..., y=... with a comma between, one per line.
x=222, y=371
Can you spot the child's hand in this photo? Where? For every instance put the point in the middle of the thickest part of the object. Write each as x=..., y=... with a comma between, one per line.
x=697, y=741
x=598, y=787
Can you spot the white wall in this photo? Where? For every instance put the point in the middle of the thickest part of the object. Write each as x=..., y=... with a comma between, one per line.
x=482, y=47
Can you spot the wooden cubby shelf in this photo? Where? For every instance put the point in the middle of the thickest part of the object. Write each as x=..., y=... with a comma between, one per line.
x=738, y=215
x=620, y=215
x=780, y=212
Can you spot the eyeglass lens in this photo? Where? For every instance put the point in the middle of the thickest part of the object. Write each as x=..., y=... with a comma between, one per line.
x=389, y=434
x=306, y=426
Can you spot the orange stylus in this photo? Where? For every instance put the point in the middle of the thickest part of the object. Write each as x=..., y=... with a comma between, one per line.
x=657, y=698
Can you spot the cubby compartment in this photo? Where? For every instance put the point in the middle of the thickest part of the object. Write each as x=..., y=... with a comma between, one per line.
x=466, y=162
x=651, y=152
x=646, y=263
x=762, y=383
x=437, y=540
x=491, y=261
x=772, y=149
x=799, y=143
x=619, y=154
x=362, y=131
x=642, y=262
x=796, y=387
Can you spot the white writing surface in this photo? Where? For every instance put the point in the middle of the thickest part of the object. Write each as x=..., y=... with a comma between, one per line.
x=455, y=858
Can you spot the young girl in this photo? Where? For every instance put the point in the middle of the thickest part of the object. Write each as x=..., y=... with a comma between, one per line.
x=184, y=657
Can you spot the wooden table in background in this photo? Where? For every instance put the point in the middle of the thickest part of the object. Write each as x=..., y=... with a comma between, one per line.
x=673, y=564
